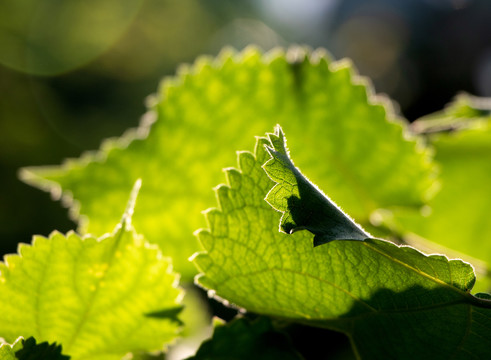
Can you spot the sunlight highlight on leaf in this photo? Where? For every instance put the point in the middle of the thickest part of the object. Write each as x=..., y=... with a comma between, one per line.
x=92, y=296
x=457, y=217
x=348, y=286
x=199, y=117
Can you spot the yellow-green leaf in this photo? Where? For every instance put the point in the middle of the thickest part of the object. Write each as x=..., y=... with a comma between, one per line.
x=392, y=301
x=91, y=295
x=199, y=117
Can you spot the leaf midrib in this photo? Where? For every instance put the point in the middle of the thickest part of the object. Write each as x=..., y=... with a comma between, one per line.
x=467, y=298
x=464, y=294
x=37, y=299
x=90, y=303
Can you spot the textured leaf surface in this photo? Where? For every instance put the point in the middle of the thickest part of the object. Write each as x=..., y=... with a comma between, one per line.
x=89, y=295
x=214, y=107
x=243, y=339
x=459, y=216
x=392, y=301
x=307, y=207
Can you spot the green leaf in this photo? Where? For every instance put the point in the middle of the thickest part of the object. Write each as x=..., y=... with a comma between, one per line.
x=91, y=295
x=392, y=301
x=243, y=339
x=7, y=351
x=458, y=216
x=463, y=111
x=208, y=110
x=304, y=206
x=28, y=350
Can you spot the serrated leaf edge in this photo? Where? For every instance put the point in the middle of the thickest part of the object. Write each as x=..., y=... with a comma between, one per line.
x=292, y=54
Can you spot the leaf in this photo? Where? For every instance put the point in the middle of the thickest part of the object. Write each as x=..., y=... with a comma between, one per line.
x=28, y=350
x=243, y=339
x=208, y=110
x=91, y=295
x=41, y=351
x=7, y=351
x=464, y=110
x=393, y=302
x=307, y=207
x=457, y=217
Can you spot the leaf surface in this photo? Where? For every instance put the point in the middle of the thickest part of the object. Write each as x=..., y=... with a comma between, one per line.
x=304, y=206
x=458, y=216
x=208, y=110
x=7, y=351
x=92, y=296
x=244, y=339
x=391, y=301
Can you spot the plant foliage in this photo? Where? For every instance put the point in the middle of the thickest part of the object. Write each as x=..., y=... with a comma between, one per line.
x=461, y=137
x=275, y=245
x=243, y=339
x=29, y=350
x=209, y=110
x=351, y=286
x=95, y=297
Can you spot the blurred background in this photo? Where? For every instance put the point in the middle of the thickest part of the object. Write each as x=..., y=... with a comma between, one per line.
x=75, y=72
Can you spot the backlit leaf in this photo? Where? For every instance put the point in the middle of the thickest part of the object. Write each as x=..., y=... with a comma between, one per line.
x=457, y=217
x=213, y=107
x=95, y=297
x=392, y=301
x=7, y=351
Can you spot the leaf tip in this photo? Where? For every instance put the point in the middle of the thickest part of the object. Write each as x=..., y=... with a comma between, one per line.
x=130, y=207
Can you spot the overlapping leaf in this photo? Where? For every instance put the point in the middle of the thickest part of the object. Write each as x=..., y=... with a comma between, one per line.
x=463, y=111
x=28, y=349
x=307, y=207
x=458, y=215
x=392, y=301
x=214, y=107
x=7, y=351
x=92, y=296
